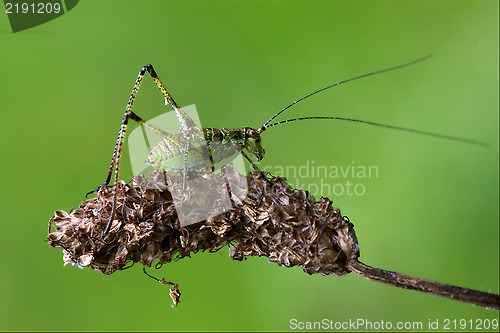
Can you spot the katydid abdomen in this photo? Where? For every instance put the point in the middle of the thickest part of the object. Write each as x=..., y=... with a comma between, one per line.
x=213, y=147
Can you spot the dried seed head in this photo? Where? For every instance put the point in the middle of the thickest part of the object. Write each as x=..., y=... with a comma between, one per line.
x=285, y=225
x=274, y=220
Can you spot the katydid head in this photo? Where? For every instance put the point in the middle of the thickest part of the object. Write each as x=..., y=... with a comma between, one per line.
x=253, y=144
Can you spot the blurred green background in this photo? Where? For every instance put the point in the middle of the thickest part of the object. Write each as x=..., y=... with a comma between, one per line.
x=432, y=212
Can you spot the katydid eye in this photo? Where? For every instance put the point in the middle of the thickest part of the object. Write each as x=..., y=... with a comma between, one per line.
x=252, y=133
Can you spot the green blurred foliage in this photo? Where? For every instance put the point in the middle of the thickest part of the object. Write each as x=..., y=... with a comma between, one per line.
x=432, y=211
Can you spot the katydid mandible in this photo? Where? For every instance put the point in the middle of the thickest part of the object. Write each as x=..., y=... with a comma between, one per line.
x=175, y=154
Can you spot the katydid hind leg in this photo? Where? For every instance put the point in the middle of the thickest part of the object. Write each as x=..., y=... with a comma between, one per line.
x=186, y=151
x=116, y=158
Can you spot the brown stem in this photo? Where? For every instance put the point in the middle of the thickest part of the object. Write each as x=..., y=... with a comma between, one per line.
x=476, y=297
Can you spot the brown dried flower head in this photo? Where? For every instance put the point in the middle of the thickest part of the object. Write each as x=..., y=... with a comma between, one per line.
x=285, y=225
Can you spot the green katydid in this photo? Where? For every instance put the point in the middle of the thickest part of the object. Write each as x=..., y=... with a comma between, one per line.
x=179, y=152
